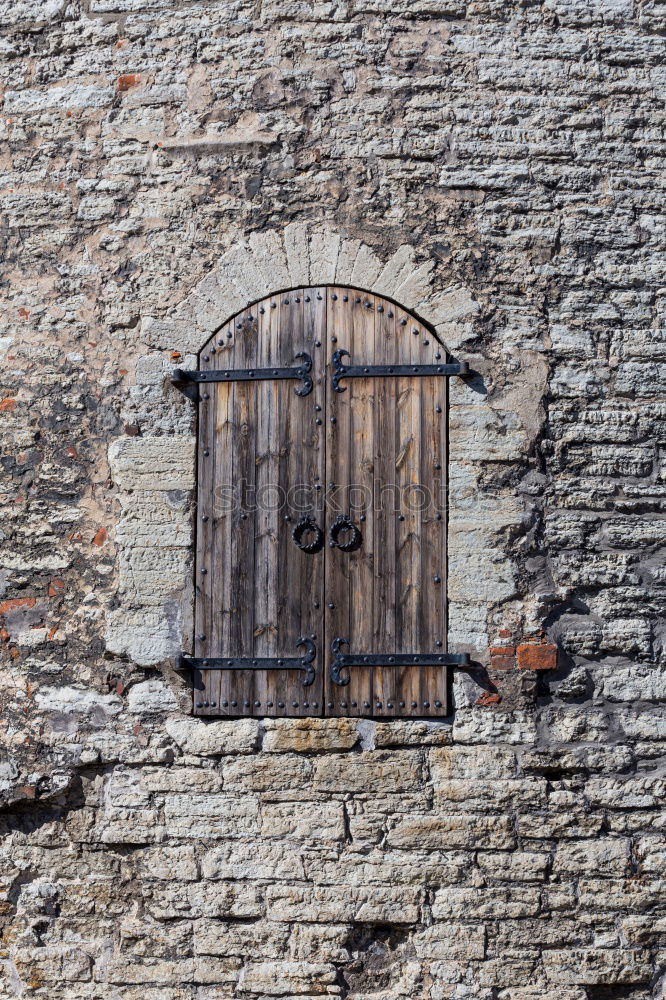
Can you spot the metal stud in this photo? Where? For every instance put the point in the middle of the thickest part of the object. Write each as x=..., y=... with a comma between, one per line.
x=269, y=704
x=307, y=298
x=357, y=300
x=334, y=340
x=380, y=309
x=366, y=704
x=204, y=517
x=234, y=704
x=330, y=704
x=334, y=297
x=437, y=466
x=378, y=705
x=297, y=299
x=414, y=705
x=401, y=517
x=354, y=704
x=317, y=343
x=206, y=452
x=243, y=516
x=257, y=704
x=206, y=358
x=438, y=704
x=368, y=305
x=390, y=314
x=389, y=704
x=202, y=638
x=206, y=395
x=225, y=704
x=402, y=704
x=437, y=579
x=204, y=571
x=438, y=517
x=315, y=704
x=343, y=704
x=199, y=704
x=403, y=322
x=229, y=336
x=262, y=310
x=221, y=342
x=319, y=297
x=317, y=407
x=438, y=357
x=426, y=343
x=316, y=605
x=426, y=704
x=362, y=517
x=331, y=607
x=345, y=298
x=287, y=517
x=334, y=420
x=285, y=302
x=246, y=704
x=273, y=305
x=438, y=409
x=280, y=704
x=318, y=420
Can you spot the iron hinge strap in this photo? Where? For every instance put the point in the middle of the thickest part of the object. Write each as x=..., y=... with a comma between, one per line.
x=187, y=381
x=341, y=370
x=305, y=664
x=343, y=661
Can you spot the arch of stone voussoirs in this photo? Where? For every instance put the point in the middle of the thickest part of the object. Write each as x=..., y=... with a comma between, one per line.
x=306, y=255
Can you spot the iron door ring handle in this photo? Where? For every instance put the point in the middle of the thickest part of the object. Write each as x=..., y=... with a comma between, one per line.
x=343, y=523
x=308, y=526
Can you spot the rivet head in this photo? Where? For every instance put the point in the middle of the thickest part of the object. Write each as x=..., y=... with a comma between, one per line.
x=438, y=517
x=206, y=452
x=203, y=571
x=317, y=343
x=379, y=704
x=334, y=340
x=437, y=579
x=366, y=704
x=262, y=310
x=202, y=638
x=257, y=704
x=414, y=705
x=380, y=309
x=438, y=409
x=402, y=704
x=213, y=704
x=345, y=298
x=438, y=642
x=330, y=704
x=401, y=517
x=316, y=605
x=318, y=421
x=206, y=395
x=354, y=704
x=243, y=517
x=426, y=704
x=343, y=704
x=246, y=704
x=334, y=420
x=287, y=517
x=307, y=298
x=273, y=305
x=438, y=704
x=357, y=300
x=225, y=704
x=390, y=314
x=334, y=297
x=206, y=358
x=269, y=704
x=403, y=322
x=280, y=704
x=437, y=466
x=389, y=704
x=199, y=704
x=234, y=704
x=204, y=517
x=331, y=607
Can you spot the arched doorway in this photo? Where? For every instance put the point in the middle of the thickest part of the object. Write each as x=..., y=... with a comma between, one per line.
x=321, y=510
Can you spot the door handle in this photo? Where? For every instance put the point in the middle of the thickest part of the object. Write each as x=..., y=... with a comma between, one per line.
x=345, y=535
x=308, y=536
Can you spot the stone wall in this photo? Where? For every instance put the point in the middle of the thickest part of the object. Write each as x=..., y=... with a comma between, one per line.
x=499, y=167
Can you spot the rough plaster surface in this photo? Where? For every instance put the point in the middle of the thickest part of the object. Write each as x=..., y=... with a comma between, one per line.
x=498, y=169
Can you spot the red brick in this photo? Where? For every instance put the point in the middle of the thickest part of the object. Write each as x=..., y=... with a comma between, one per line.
x=489, y=698
x=100, y=537
x=128, y=80
x=537, y=656
x=502, y=657
x=8, y=404
x=17, y=602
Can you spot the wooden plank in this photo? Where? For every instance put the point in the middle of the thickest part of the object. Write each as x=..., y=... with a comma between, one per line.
x=385, y=509
x=338, y=473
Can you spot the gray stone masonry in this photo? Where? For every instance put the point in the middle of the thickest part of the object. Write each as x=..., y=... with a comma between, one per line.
x=497, y=167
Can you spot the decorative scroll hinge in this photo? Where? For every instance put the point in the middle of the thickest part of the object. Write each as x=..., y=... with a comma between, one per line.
x=302, y=663
x=188, y=382
x=341, y=370
x=343, y=661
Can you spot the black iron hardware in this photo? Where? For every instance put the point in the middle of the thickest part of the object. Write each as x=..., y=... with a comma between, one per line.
x=301, y=663
x=188, y=381
x=343, y=525
x=341, y=370
x=308, y=526
x=343, y=661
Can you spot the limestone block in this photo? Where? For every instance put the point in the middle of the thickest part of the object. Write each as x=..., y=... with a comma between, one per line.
x=347, y=254
x=366, y=268
x=309, y=735
x=234, y=900
x=153, y=463
x=155, y=518
x=382, y=771
x=598, y=966
x=631, y=682
x=210, y=738
x=608, y=856
x=70, y=95
x=324, y=248
x=151, y=576
x=194, y=780
x=470, y=765
x=447, y=941
x=453, y=304
x=328, y=904
x=395, y=271
x=323, y=821
x=246, y=859
x=414, y=288
x=151, y=696
x=171, y=334
x=416, y=865
x=145, y=636
x=287, y=978
x=297, y=249
x=446, y=829
x=204, y=817
x=268, y=256
x=80, y=701
x=166, y=864
x=477, y=725
x=289, y=773
x=518, y=866
x=259, y=939
x=494, y=903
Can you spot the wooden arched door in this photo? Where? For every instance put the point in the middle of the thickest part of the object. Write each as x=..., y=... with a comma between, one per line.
x=321, y=511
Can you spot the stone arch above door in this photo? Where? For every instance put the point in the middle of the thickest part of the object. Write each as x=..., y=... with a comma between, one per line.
x=302, y=255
